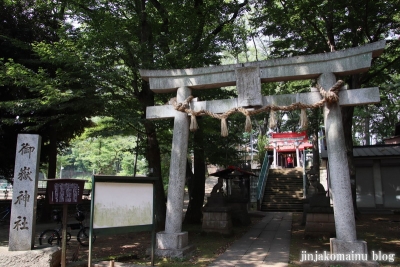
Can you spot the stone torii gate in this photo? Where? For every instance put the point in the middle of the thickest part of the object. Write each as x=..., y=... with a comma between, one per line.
x=248, y=78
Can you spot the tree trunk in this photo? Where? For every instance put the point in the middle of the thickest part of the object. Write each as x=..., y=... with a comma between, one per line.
x=52, y=169
x=45, y=213
x=197, y=185
x=366, y=128
x=154, y=160
x=315, y=150
x=314, y=138
x=153, y=156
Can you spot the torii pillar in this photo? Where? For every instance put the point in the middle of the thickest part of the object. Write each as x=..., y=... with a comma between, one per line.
x=346, y=238
x=248, y=78
x=173, y=242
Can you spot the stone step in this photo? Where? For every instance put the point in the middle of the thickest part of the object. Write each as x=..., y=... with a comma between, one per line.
x=284, y=190
x=282, y=200
x=283, y=196
x=283, y=184
x=282, y=208
x=282, y=178
x=290, y=186
x=283, y=203
x=286, y=171
x=286, y=199
x=282, y=193
x=285, y=187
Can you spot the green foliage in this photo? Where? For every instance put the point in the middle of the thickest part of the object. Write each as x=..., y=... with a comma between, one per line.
x=45, y=81
x=310, y=27
x=224, y=151
x=114, y=155
x=91, y=68
x=262, y=143
x=377, y=122
x=122, y=37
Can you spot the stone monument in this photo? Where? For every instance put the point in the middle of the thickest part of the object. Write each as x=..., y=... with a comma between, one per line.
x=318, y=215
x=216, y=213
x=23, y=209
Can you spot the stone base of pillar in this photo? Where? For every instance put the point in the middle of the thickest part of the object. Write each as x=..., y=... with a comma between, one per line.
x=348, y=247
x=351, y=249
x=45, y=255
x=354, y=264
x=174, y=245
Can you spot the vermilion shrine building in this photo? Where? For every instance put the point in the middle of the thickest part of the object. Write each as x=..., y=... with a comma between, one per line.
x=288, y=144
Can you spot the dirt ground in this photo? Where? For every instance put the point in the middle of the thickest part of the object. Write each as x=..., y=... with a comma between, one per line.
x=131, y=245
x=123, y=247
x=380, y=231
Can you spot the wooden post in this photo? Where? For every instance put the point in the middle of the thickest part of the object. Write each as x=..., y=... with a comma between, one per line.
x=64, y=236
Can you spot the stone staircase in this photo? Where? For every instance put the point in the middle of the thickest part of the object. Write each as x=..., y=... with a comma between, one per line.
x=284, y=190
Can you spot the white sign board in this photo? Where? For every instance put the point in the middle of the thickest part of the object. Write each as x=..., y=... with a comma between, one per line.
x=122, y=204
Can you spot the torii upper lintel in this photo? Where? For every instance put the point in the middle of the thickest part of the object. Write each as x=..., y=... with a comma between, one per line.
x=344, y=62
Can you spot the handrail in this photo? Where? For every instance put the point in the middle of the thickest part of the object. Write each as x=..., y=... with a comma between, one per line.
x=305, y=180
x=304, y=175
x=262, y=180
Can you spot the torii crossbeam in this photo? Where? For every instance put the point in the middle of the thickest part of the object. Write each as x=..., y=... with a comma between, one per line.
x=248, y=78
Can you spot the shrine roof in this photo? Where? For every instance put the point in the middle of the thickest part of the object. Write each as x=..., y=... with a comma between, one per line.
x=376, y=151
x=284, y=142
x=289, y=135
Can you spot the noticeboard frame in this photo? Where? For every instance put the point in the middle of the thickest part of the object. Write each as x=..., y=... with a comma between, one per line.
x=51, y=183
x=117, y=181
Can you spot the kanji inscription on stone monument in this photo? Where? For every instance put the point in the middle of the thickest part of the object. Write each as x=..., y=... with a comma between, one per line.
x=23, y=211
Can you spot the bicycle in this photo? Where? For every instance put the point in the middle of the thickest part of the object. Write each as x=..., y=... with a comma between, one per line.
x=53, y=236
x=5, y=215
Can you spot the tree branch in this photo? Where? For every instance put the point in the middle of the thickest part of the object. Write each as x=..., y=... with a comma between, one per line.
x=164, y=27
x=219, y=28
